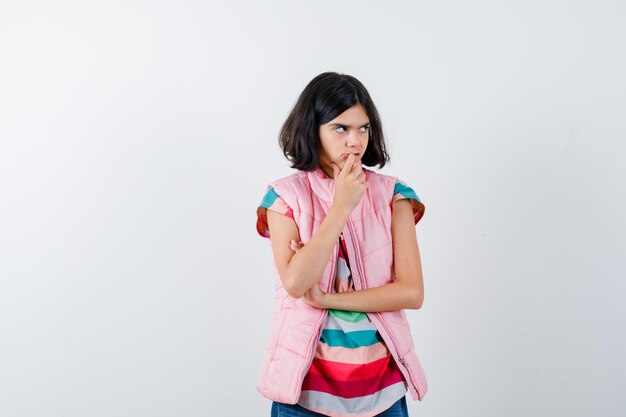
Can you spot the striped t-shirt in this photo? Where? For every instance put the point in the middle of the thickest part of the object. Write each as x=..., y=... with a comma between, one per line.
x=353, y=373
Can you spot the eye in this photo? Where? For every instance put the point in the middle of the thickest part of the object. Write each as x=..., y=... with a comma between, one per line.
x=365, y=128
x=340, y=127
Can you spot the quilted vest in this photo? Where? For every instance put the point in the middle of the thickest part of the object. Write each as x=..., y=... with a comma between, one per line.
x=295, y=326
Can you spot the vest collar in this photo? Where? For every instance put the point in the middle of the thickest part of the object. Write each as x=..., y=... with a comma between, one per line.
x=321, y=184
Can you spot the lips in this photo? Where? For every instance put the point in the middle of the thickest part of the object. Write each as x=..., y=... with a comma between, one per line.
x=345, y=155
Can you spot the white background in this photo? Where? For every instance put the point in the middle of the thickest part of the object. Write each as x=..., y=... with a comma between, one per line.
x=137, y=139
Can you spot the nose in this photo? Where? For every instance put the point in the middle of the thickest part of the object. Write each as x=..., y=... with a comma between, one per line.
x=353, y=139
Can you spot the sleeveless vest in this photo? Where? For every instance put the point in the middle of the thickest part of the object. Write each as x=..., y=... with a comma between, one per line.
x=296, y=327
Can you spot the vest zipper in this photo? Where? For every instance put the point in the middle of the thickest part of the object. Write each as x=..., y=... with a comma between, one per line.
x=401, y=360
x=318, y=330
x=378, y=317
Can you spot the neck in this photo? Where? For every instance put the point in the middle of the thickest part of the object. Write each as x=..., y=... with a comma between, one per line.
x=327, y=170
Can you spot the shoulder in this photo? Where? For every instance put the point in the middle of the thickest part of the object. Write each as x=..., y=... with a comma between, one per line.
x=290, y=182
x=271, y=201
x=294, y=189
x=277, y=195
x=383, y=182
x=403, y=190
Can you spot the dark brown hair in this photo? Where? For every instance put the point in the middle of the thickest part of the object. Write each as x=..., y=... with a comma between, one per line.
x=325, y=97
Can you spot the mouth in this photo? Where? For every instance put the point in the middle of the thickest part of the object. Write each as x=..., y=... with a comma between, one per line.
x=345, y=155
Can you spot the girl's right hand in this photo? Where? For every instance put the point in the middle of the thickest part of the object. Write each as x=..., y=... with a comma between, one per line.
x=350, y=184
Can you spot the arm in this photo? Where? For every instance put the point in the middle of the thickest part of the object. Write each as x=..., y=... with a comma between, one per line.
x=300, y=270
x=405, y=292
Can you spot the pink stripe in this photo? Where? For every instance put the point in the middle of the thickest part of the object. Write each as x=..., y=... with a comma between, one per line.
x=363, y=354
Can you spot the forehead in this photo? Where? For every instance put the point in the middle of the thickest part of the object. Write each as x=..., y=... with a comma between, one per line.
x=354, y=116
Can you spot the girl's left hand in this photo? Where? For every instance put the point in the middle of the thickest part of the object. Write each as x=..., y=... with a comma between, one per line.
x=295, y=246
x=315, y=297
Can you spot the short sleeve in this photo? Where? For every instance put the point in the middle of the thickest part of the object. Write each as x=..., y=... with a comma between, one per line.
x=402, y=190
x=271, y=201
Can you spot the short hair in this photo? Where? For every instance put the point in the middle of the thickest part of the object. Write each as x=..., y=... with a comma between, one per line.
x=325, y=97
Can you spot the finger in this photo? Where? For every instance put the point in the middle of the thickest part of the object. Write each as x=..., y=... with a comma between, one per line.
x=360, y=178
x=295, y=246
x=348, y=165
x=356, y=166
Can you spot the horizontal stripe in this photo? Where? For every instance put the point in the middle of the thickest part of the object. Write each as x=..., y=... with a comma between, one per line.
x=404, y=190
x=350, y=340
x=352, y=316
x=343, y=285
x=337, y=323
x=348, y=371
x=366, y=406
x=352, y=389
x=272, y=201
x=261, y=222
x=364, y=354
x=269, y=198
x=343, y=271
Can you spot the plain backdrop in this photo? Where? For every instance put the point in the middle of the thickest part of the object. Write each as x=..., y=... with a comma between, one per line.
x=137, y=139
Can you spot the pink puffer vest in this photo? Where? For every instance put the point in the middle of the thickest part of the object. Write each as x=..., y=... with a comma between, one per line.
x=296, y=327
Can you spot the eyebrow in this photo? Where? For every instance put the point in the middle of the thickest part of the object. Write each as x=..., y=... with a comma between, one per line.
x=342, y=125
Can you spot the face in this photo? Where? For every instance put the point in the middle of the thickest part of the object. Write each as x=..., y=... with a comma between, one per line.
x=345, y=134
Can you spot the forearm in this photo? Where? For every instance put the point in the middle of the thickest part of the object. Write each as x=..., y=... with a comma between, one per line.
x=308, y=263
x=390, y=297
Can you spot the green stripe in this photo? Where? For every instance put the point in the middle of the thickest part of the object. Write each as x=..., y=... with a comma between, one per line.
x=333, y=337
x=351, y=316
x=269, y=198
x=405, y=190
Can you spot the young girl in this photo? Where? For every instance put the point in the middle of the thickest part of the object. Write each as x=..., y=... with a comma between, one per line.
x=347, y=263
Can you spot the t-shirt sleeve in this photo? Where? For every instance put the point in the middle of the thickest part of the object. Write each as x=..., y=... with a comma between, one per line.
x=271, y=201
x=403, y=190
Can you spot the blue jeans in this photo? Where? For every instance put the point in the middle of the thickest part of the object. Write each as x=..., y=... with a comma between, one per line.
x=398, y=409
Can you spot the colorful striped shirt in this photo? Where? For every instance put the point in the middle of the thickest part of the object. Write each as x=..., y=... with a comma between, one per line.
x=353, y=373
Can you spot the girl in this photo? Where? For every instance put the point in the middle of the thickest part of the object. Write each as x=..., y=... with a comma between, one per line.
x=347, y=262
